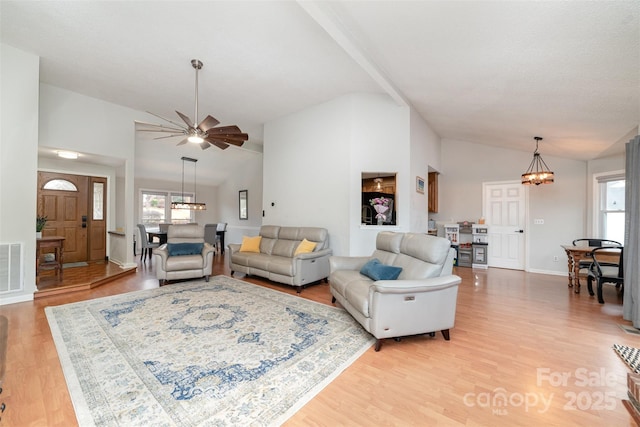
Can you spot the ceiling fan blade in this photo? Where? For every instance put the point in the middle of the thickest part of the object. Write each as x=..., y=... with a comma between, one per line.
x=231, y=141
x=224, y=129
x=235, y=137
x=169, y=136
x=208, y=123
x=215, y=141
x=186, y=119
x=204, y=145
x=166, y=130
x=167, y=120
x=184, y=141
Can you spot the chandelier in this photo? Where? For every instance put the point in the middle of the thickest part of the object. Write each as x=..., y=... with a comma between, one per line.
x=194, y=206
x=538, y=172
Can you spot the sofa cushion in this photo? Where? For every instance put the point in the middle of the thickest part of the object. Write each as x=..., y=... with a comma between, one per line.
x=357, y=293
x=281, y=265
x=184, y=262
x=177, y=249
x=284, y=248
x=250, y=244
x=305, y=247
x=377, y=271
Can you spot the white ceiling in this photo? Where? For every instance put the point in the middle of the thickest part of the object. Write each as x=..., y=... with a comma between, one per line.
x=491, y=72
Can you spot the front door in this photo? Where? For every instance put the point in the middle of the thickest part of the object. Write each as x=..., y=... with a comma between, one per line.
x=504, y=211
x=68, y=203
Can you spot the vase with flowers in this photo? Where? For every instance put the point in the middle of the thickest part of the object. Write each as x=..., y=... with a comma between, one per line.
x=41, y=221
x=381, y=205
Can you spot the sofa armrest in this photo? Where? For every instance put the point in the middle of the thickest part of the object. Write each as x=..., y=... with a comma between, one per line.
x=347, y=263
x=413, y=286
x=162, y=252
x=234, y=247
x=313, y=255
x=207, y=249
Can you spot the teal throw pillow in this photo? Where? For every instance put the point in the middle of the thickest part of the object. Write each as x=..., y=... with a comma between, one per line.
x=176, y=249
x=374, y=270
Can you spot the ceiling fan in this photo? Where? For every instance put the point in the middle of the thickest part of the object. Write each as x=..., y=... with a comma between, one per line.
x=205, y=133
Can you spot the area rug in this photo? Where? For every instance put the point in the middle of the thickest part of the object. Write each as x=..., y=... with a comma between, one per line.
x=193, y=354
x=630, y=356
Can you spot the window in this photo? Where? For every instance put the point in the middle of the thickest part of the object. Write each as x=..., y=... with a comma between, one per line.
x=156, y=208
x=611, y=207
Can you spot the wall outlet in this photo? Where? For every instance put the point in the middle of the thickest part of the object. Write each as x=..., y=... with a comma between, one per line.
x=538, y=221
x=555, y=258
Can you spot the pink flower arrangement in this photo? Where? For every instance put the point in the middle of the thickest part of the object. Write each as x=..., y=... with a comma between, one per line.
x=381, y=205
x=380, y=201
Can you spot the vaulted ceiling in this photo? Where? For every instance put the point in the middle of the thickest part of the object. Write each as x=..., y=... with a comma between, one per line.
x=495, y=73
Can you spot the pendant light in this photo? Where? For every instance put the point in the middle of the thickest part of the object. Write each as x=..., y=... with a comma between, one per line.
x=538, y=172
x=194, y=206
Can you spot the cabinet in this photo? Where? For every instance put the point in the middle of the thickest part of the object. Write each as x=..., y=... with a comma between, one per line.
x=432, y=189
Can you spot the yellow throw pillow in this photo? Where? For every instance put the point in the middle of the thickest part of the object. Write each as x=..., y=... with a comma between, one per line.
x=250, y=244
x=305, y=247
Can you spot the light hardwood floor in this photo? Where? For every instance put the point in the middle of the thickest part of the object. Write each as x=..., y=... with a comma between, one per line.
x=525, y=337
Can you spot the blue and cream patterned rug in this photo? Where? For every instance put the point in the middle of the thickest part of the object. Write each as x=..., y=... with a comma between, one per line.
x=193, y=354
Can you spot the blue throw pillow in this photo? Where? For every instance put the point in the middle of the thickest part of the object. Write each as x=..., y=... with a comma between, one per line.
x=176, y=249
x=374, y=270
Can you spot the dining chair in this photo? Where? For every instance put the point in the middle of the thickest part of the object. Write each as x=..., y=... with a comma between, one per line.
x=145, y=245
x=607, y=268
x=585, y=264
x=210, y=235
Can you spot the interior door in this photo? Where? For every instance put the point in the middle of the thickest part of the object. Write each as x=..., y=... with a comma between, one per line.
x=504, y=212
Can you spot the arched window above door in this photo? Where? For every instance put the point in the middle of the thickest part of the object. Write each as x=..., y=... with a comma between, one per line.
x=60, y=184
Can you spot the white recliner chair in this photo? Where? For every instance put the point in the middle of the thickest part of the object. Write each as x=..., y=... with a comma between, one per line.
x=185, y=255
x=420, y=300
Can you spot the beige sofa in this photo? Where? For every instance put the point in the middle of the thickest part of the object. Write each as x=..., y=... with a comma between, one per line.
x=421, y=300
x=276, y=260
x=185, y=264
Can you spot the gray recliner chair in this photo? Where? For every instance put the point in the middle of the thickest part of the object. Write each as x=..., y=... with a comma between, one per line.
x=186, y=255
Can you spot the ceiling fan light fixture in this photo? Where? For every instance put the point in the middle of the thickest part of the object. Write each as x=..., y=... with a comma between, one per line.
x=196, y=139
x=538, y=171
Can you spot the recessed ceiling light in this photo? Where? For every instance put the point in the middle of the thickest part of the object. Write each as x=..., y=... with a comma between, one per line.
x=68, y=154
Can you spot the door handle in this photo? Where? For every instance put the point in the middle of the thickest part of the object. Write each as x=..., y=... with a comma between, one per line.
x=519, y=231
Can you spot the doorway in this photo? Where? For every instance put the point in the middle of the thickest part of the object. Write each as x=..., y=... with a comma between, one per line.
x=504, y=207
x=75, y=207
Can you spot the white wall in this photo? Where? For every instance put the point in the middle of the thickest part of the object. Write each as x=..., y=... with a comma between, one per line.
x=19, y=75
x=249, y=178
x=562, y=205
x=425, y=153
x=76, y=122
x=313, y=164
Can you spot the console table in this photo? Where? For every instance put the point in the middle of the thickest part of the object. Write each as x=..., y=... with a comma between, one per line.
x=53, y=242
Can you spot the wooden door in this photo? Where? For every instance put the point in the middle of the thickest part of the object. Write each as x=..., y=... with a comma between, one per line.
x=504, y=212
x=67, y=202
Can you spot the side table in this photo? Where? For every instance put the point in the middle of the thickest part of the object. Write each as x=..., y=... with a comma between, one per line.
x=52, y=242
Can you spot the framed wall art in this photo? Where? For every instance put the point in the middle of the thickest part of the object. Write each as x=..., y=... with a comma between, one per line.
x=420, y=185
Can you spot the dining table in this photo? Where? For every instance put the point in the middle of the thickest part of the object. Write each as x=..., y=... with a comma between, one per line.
x=574, y=255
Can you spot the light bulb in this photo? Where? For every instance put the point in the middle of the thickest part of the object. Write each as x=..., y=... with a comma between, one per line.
x=195, y=139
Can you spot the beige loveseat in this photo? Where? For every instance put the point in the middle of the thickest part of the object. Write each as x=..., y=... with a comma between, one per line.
x=276, y=260
x=421, y=300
